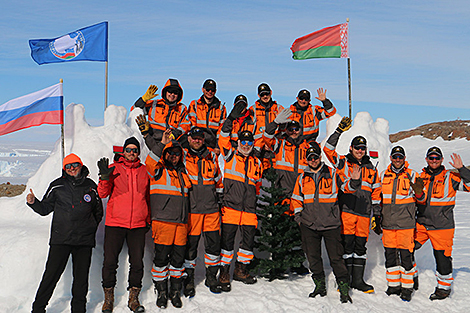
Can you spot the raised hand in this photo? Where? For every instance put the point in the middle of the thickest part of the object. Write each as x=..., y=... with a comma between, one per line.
x=456, y=161
x=144, y=125
x=150, y=93
x=167, y=135
x=30, y=197
x=321, y=94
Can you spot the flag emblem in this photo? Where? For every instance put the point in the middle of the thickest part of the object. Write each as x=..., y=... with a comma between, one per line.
x=69, y=46
x=87, y=198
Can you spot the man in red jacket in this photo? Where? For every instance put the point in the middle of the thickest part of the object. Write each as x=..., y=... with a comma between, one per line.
x=127, y=215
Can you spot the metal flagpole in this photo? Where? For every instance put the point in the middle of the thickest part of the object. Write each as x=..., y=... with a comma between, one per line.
x=106, y=85
x=63, y=119
x=349, y=77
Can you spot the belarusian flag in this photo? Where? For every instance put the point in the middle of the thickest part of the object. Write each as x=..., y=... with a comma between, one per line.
x=330, y=42
x=374, y=154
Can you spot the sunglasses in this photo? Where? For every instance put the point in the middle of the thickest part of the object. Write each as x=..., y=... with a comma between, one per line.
x=434, y=158
x=264, y=94
x=304, y=98
x=246, y=142
x=74, y=165
x=177, y=153
x=398, y=156
x=210, y=90
x=313, y=157
x=129, y=150
x=293, y=129
x=360, y=148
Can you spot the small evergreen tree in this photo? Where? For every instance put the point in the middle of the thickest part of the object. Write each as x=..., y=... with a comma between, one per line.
x=279, y=234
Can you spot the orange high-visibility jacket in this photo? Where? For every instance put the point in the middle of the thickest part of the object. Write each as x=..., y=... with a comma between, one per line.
x=241, y=124
x=363, y=201
x=169, y=186
x=436, y=210
x=262, y=116
x=210, y=117
x=398, y=199
x=242, y=174
x=206, y=179
x=310, y=117
x=315, y=197
x=162, y=115
x=290, y=156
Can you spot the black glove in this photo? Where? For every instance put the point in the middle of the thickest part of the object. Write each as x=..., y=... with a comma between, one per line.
x=144, y=125
x=418, y=186
x=105, y=170
x=344, y=125
x=220, y=198
x=376, y=224
x=237, y=111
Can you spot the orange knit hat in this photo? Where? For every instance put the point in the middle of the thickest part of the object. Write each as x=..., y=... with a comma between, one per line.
x=71, y=158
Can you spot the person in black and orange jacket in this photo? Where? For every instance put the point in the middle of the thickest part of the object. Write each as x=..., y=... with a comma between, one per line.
x=169, y=203
x=209, y=114
x=242, y=181
x=244, y=121
x=357, y=207
x=264, y=111
x=315, y=203
x=310, y=116
x=398, y=219
x=203, y=169
x=435, y=219
x=167, y=112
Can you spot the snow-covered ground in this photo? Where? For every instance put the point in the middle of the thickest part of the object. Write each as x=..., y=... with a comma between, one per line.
x=24, y=239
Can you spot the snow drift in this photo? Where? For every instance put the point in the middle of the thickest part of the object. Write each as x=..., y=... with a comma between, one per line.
x=25, y=236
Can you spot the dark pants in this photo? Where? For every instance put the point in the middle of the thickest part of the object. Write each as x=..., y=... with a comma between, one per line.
x=113, y=241
x=229, y=232
x=55, y=266
x=311, y=243
x=354, y=244
x=211, y=244
x=172, y=254
x=395, y=257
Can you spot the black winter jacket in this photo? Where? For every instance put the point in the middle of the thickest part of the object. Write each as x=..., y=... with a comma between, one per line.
x=77, y=209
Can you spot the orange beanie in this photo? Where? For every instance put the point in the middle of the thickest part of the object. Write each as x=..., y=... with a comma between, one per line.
x=71, y=158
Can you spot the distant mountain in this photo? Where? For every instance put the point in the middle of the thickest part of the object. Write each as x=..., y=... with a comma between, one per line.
x=448, y=130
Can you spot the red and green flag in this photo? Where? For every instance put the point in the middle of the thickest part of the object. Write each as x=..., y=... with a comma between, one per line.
x=329, y=42
x=374, y=154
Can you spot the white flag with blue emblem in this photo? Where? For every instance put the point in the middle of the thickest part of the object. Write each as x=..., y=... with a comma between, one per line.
x=86, y=44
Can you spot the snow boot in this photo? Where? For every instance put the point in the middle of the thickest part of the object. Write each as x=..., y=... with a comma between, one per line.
x=188, y=283
x=439, y=294
x=162, y=288
x=358, y=276
x=344, y=292
x=415, y=283
x=406, y=294
x=211, y=279
x=320, y=287
x=175, y=287
x=241, y=274
x=108, y=304
x=133, y=303
x=224, y=278
x=393, y=291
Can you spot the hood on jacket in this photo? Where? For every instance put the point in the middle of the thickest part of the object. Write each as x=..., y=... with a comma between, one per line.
x=172, y=84
x=171, y=145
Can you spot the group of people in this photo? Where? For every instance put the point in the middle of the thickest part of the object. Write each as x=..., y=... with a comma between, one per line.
x=181, y=194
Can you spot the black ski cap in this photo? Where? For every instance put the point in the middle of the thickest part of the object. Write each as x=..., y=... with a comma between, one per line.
x=131, y=141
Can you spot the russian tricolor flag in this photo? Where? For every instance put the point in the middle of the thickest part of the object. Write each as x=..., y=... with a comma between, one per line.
x=41, y=107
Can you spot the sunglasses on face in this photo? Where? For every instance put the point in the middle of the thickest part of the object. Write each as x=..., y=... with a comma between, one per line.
x=304, y=98
x=264, y=94
x=74, y=165
x=245, y=143
x=129, y=150
x=210, y=90
x=360, y=148
x=293, y=129
x=177, y=153
x=313, y=157
x=398, y=156
x=434, y=158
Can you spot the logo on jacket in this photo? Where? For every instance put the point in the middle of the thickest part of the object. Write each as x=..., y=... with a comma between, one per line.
x=87, y=198
x=69, y=46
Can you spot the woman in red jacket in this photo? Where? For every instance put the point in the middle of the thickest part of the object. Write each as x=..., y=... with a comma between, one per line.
x=127, y=215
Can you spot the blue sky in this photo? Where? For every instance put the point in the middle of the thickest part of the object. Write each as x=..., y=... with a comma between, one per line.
x=409, y=59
